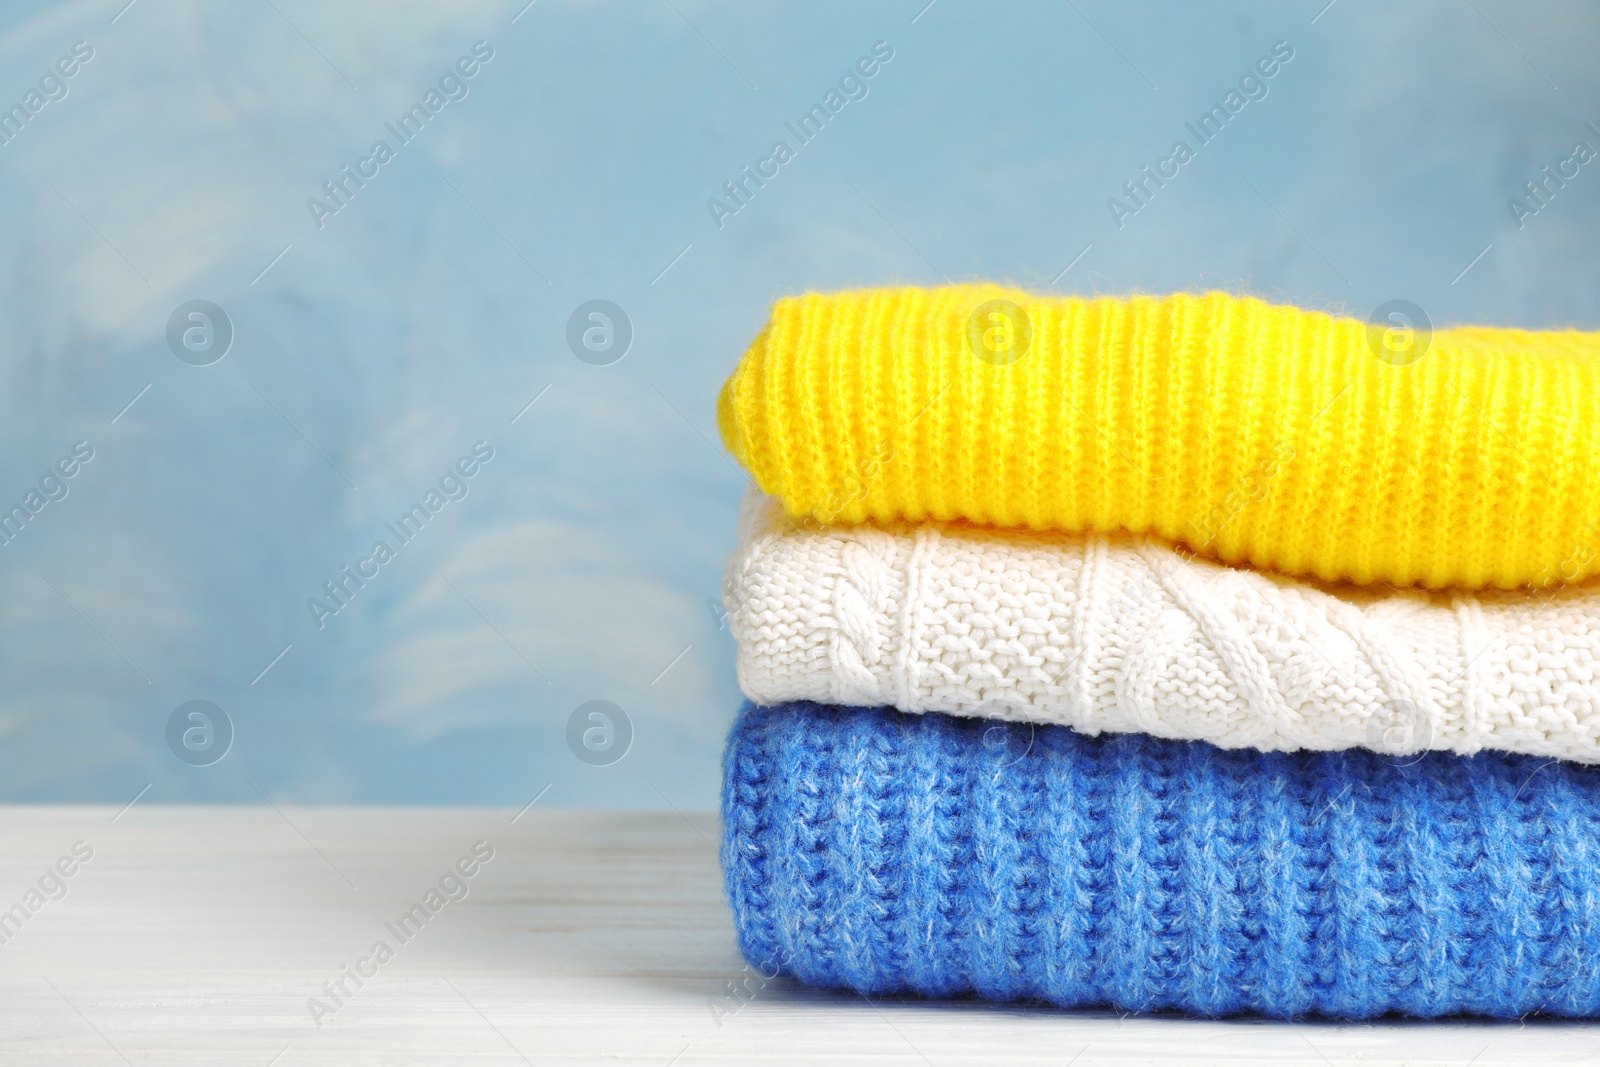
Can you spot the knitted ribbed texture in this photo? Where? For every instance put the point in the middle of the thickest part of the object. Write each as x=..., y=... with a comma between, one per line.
x=886, y=853
x=1122, y=633
x=1255, y=433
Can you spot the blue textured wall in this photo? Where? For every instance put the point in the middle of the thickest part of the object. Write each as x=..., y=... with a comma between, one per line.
x=577, y=163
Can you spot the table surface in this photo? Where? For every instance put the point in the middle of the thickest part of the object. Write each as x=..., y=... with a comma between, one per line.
x=202, y=935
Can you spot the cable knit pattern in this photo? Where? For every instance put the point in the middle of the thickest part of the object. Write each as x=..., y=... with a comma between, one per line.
x=886, y=853
x=1123, y=634
x=1290, y=440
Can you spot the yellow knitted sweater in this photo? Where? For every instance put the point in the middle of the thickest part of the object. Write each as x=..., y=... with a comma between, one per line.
x=1286, y=439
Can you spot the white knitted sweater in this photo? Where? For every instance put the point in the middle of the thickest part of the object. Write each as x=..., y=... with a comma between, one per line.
x=1125, y=634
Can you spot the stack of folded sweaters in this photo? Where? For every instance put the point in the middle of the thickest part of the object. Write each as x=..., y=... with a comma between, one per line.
x=1166, y=653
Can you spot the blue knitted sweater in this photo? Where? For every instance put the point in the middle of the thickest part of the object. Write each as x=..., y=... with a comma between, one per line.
x=872, y=850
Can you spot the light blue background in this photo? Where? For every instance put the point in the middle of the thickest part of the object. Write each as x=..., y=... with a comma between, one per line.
x=411, y=325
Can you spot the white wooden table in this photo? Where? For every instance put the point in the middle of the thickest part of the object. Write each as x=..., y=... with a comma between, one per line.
x=198, y=935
